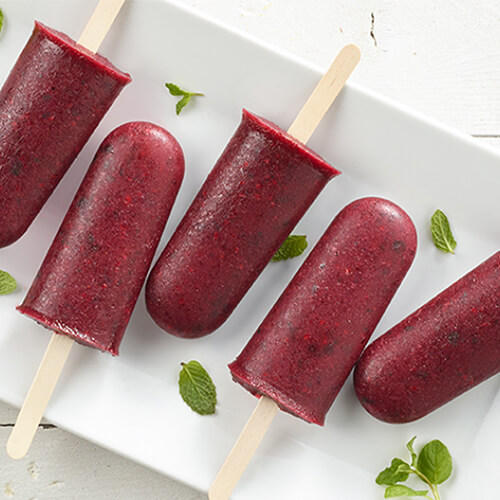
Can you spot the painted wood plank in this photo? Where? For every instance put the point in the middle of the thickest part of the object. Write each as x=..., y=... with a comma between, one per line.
x=62, y=466
x=441, y=58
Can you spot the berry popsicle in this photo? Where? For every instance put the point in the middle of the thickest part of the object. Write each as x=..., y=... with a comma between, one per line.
x=443, y=349
x=259, y=189
x=322, y=321
x=55, y=96
x=305, y=348
x=89, y=281
x=91, y=277
x=218, y=251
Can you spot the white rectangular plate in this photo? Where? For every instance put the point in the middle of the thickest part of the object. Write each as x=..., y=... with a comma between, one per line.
x=131, y=404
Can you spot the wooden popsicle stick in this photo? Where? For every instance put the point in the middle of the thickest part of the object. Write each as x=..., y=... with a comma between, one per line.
x=99, y=24
x=244, y=449
x=325, y=93
x=38, y=395
x=302, y=128
x=59, y=346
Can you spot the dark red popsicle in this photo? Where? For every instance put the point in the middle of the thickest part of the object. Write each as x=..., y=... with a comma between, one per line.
x=258, y=190
x=93, y=272
x=443, y=349
x=307, y=345
x=53, y=99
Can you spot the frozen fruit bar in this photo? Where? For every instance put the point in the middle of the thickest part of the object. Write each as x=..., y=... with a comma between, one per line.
x=305, y=348
x=90, y=279
x=443, y=349
x=258, y=190
x=51, y=102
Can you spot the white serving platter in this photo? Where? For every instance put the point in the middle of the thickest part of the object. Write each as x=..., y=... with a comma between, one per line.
x=131, y=404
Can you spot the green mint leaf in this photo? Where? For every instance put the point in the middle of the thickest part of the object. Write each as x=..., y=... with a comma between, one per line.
x=398, y=471
x=441, y=232
x=409, y=446
x=399, y=490
x=293, y=246
x=197, y=389
x=7, y=283
x=434, y=462
x=1, y=20
x=182, y=103
x=175, y=90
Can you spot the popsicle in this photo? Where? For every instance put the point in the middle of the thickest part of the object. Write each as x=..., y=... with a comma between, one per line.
x=91, y=277
x=258, y=190
x=446, y=347
x=55, y=96
x=303, y=351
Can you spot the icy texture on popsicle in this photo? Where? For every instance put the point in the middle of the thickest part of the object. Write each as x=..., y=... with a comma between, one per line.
x=89, y=281
x=307, y=345
x=443, y=349
x=258, y=190
x=51, y=102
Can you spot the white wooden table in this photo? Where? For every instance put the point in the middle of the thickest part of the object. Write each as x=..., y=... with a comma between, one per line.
x=442, y=58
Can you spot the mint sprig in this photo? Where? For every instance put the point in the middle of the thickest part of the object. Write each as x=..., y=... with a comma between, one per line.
x=176, y=91
x=197, y=389
x=441, y=232
x=1, y=20
x=7, y=283
x=433, y=466
x=293, y=246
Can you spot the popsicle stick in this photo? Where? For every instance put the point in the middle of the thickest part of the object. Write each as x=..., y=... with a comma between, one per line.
x=325, y=93
x=302, y=128
x=99, y=24
x=244, y=449
x=59, y=346
x=38, y=395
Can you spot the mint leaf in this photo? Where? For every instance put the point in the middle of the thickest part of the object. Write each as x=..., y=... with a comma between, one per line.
x=432, y=466
x=7, y=283
x=175, y=90
x=398, y=471
x=409, y=446
x=293, y=246
x=1, y=20
x=197, y=389
x=181, y=104
x=434, y=462
x=399, y=490
x=441, y=232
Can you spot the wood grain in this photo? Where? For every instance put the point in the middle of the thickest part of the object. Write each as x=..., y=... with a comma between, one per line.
x=39, y=395
x=244, y=449
x=100, y=23
x=325, y=93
